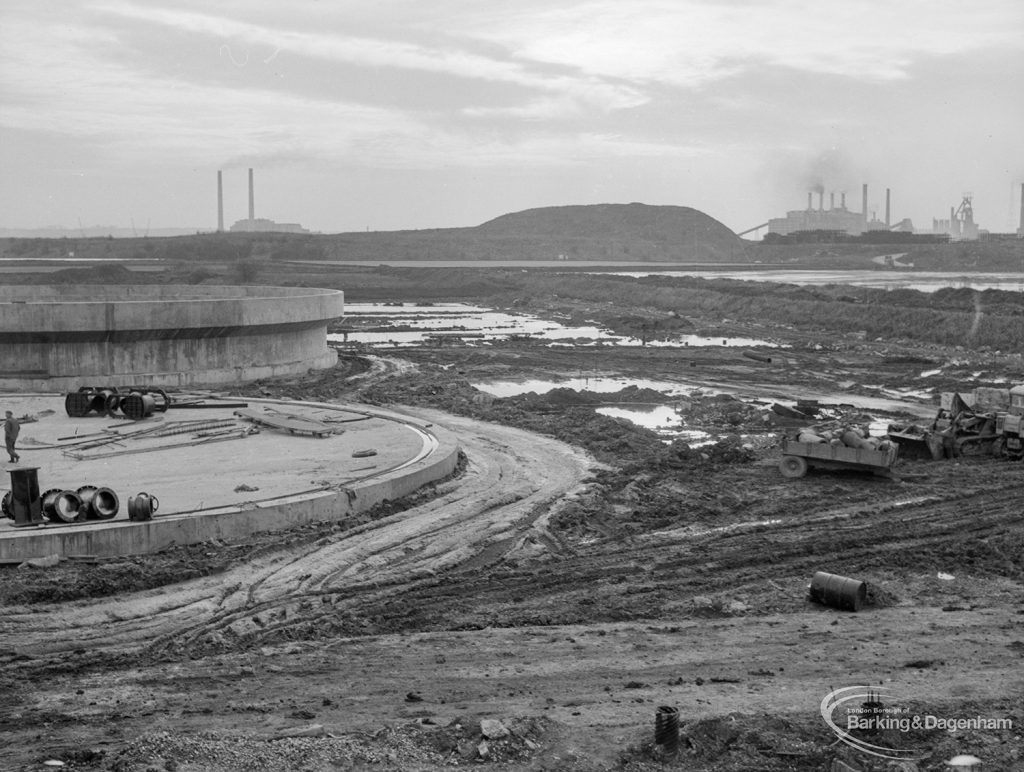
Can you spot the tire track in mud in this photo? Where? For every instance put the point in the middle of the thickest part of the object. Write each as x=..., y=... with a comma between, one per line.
x=894, y=532
x=513, y=477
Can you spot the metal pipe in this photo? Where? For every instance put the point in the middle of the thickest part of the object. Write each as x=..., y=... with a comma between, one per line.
x=142, y=507
x=60, y=505
x=666, y=729
x=138, y=406
x=98, y=503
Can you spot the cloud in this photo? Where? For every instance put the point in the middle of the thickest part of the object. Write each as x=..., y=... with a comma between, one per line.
x=690, y=43
x=390, y=53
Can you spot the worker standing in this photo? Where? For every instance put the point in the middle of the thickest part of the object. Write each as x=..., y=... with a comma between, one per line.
x=11, y=429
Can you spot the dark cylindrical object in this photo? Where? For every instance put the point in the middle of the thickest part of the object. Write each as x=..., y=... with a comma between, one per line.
x=758, y=357
x=100, y=398
x=164, y=402
x=666, y=729
x=142, y=507
x=98, y=503
x=839, y=591
x=5, y=506
x=138, y=406
x=78, y=403
x=25, y=503
x=112, y=403
x=62, y=506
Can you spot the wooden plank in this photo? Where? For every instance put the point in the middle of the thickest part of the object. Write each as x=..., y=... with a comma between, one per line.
x=286, y=423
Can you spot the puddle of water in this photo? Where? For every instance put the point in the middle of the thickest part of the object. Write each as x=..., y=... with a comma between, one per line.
x=597, y=384
x=918, y=394
x=429, y=323
x=923, y=281
x=930, y=373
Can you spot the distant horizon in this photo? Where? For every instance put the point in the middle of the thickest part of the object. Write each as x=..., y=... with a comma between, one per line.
x=410, y=116
x=100, y=231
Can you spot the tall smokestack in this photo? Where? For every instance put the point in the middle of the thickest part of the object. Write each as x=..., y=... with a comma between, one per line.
x=220, y=202
x=810, y=204
x=887, y=207
x=864, y=201
x=252, y=204
x=842, y=200
x=832, y=200
x=1020, y=231
x=821, y=200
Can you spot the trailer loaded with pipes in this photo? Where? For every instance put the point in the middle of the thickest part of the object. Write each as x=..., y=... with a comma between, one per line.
x=848, y=448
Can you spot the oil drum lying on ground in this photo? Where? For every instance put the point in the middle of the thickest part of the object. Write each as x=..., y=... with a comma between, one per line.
x=98, y=503
x=838, y=591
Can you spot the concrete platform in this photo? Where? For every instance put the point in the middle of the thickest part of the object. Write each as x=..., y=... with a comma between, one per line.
x=222, y=489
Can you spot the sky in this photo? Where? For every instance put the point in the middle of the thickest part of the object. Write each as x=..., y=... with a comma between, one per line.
x=407, y=114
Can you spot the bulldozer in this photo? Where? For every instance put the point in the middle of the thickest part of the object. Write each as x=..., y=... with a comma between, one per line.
x=1010, y=426
x=986, y=422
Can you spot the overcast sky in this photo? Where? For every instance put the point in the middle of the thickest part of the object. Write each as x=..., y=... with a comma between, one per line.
x=397, y=114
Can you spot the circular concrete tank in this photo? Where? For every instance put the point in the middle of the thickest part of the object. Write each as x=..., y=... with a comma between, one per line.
x=57, y=338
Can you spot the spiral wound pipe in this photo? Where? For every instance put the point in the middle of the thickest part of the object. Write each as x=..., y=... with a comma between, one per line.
x=98, y=503
x=666, y=729
x=138, y=406
x=61, y=505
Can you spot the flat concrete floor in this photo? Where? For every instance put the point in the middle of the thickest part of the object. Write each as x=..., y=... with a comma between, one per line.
x=265, y=465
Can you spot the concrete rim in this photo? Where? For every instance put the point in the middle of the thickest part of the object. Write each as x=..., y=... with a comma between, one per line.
x=437, y=459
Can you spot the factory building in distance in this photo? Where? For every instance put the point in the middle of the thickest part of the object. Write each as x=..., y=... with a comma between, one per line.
x=837, y=223
x=252, y=224
x=835, y=218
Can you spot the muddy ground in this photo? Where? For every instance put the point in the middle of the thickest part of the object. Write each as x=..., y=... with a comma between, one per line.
x=538, y=608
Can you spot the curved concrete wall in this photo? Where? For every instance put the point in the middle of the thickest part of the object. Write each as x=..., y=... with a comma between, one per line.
x=61, y=337
x=121, y=537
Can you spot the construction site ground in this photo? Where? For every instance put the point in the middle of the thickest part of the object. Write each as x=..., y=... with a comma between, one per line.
x=536, y=609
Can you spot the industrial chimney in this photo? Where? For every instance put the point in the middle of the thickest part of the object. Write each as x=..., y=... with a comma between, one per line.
x=842, y=200
x=887, y=207
x=864, y=202
x=1020, y=231
x=252, y=204
x=220, y=202
x=832, y=200
x=821, y=200
x=810, y=204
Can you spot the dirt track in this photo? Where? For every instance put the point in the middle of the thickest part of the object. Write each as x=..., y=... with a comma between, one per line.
x=511, y=480
x=565, y=597
x=531, y=622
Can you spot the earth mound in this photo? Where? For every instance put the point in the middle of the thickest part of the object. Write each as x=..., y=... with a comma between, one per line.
x=663, y=231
